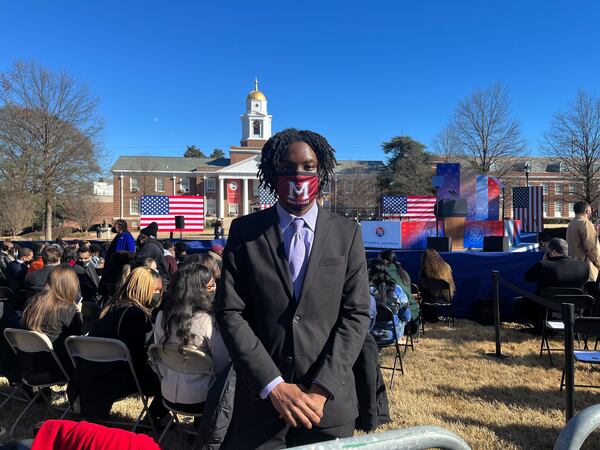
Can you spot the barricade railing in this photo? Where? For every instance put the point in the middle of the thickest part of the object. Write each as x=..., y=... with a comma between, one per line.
x=574, y=434
x=415, y=438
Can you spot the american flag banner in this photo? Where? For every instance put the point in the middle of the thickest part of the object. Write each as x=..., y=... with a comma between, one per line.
x=266, y=198
x=412, y=207
x=528, y=207
x=162, y=209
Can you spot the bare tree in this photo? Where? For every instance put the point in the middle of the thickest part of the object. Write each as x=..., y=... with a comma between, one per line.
x=82, y=207
x=16, y=210
x=573, y=138
x=445, y=144
x=483, y=133
x=48, y=128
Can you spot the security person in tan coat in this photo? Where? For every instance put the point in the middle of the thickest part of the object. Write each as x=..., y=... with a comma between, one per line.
x=583, y=239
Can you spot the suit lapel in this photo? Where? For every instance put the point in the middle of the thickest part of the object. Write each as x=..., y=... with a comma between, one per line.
x=275, y=241
x=316, y=252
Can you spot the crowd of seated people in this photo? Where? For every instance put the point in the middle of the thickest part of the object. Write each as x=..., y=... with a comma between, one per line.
x=142, y=298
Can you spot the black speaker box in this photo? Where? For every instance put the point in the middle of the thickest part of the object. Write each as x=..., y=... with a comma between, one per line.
x=180, y=222
x=495, y=244
x=441, y=244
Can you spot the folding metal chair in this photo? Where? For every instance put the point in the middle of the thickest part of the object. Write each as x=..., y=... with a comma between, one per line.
x=443, y=301
x=9, y=365
x=188, y=362
x=414, y=290
x=586, y=327
x=24, y=341
x=104, y=350
x=582, y=304
x=384, y=316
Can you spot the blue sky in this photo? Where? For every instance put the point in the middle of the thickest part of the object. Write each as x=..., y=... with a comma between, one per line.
x=170, y=74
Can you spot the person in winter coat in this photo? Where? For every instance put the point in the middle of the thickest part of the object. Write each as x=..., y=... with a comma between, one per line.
x=150, y=247
x=123, y=241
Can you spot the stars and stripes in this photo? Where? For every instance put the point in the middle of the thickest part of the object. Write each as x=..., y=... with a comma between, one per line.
x=163, y=209
x=266, y=198
x=412, y=207
x=528, y=206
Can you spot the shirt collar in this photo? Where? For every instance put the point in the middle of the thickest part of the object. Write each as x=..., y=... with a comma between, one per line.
x=285, y=218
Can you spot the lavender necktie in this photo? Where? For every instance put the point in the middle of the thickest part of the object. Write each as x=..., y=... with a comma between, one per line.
x=297, y=253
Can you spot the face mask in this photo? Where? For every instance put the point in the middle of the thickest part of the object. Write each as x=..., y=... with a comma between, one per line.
x=155, y=300
x=297, y=190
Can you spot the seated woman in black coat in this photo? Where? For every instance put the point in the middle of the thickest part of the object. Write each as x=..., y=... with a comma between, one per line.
x=126, y=317
x=56, y=312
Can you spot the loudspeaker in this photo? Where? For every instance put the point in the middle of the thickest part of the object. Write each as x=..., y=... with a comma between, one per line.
x=441, y=244
x=180, y=222
x=495, y=244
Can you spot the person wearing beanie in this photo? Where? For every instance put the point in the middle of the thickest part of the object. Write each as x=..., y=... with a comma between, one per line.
x=150, y=247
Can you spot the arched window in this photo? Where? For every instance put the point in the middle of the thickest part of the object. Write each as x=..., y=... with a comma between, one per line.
x=256, y=128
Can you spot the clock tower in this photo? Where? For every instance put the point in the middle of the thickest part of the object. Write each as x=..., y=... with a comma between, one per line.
x=256, y=122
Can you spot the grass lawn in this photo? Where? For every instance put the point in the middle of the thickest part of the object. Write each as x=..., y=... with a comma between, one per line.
x=449, y=381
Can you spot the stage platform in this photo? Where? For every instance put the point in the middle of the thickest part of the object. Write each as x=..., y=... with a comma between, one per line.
x=472, y=274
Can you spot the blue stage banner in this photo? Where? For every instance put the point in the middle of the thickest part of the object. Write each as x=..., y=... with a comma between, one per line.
x=474, y=232
x=450, y=188
x=481, y=198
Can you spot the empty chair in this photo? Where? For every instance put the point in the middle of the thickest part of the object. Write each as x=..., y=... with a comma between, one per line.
x=104, y=350
x=587, y=327
x=39, y=372
x=187, y=362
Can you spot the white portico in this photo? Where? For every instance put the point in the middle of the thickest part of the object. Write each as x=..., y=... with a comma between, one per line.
x=240, y=177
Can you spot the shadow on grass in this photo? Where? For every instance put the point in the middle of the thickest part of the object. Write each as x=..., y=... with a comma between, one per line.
x=543, y=436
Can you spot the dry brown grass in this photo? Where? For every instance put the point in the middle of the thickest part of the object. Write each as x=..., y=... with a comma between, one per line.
x=450, y=381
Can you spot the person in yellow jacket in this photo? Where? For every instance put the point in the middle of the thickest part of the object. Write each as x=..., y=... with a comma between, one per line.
x=583, y=239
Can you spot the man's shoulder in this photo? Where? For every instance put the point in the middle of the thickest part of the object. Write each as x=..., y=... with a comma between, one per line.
x=254, y=221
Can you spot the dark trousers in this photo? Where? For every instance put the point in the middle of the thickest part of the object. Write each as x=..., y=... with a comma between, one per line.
x=256, y=425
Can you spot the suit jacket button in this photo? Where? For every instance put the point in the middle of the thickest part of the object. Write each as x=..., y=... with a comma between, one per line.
x=296, y=319
x=289, y=360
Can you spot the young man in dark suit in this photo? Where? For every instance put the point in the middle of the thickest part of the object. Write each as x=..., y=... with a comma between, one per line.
x=293, y=304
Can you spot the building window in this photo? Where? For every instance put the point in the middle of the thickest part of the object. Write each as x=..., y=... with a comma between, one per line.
x=159, y=184
x=211, y=207
x=545, y=209
x=134, y=206
x=545, y=188
x=326, y=189
x=233, y=209
x=211, y=184
x=571, y=189
x=256, y=128
x=255, y=188
x=558, y=209
x=134, y=184
x=558, y=189
x=571, y=211
x=185, y=184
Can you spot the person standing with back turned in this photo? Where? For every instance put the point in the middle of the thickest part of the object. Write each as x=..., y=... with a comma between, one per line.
x=293, y=304
x=582, y=240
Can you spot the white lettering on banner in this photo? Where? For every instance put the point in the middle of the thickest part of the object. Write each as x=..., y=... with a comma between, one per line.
x=295, y=192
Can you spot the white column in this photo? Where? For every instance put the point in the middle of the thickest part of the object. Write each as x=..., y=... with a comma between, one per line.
x=245, y=194
x=121, y=194
x=221, y=202
x=174, y=179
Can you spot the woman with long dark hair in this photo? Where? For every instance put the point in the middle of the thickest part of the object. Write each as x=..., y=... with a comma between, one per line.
x=387, y=293
x=187, y=320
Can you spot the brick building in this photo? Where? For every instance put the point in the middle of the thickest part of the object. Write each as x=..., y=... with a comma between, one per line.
x=229, y=186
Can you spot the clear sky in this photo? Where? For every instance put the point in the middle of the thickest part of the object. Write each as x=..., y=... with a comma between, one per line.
x=171, y=74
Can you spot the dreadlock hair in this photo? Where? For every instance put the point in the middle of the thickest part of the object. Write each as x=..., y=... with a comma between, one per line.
x=277, y=145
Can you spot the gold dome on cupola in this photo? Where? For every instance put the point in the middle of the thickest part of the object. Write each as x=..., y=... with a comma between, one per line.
x=256, y=94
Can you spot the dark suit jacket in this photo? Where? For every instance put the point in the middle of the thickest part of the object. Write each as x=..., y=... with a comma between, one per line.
x=560, y=271
x=35, y=281
x=15, y=274
x=269, y=333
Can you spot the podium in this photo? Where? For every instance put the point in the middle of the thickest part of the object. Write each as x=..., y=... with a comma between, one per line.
x=453, y=213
